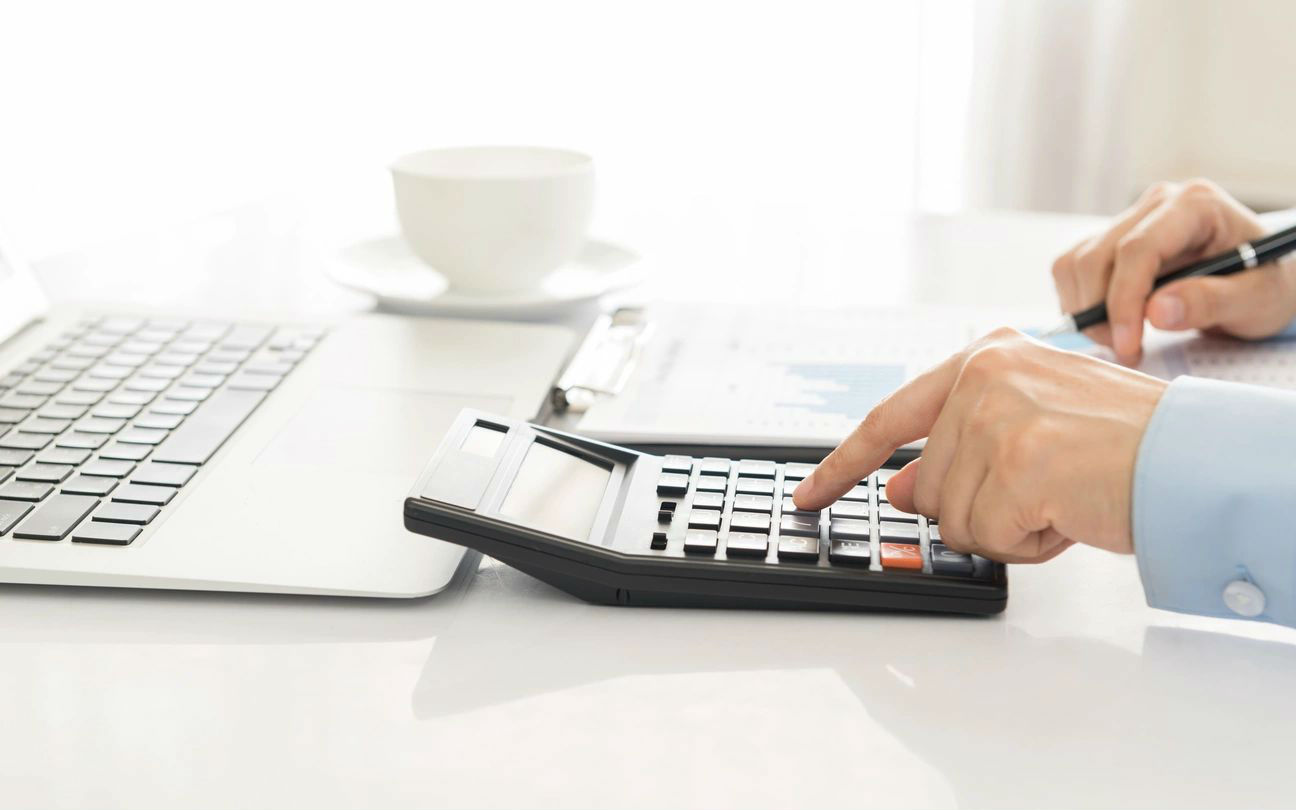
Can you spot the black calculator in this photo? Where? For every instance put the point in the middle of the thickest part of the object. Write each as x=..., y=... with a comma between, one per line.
x=616, y=526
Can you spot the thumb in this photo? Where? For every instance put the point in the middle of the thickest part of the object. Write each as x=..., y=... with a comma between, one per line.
x=1201, y=303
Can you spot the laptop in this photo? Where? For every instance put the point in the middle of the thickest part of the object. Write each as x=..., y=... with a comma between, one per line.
x=161, y=450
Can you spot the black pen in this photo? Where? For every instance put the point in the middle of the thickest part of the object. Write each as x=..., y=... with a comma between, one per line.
x=1243, y=257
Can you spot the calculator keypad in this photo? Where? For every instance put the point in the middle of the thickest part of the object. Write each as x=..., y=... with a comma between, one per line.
x=743, y=509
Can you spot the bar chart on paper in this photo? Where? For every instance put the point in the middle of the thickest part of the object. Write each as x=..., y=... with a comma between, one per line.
x=769, y=377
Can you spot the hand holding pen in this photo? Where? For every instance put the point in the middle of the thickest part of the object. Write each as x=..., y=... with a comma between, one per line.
x=1174, y=258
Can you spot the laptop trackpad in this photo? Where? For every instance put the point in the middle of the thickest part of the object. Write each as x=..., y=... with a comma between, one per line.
x=359, y=429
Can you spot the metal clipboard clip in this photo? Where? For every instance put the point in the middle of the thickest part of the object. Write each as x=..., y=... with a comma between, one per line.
x=604, y=362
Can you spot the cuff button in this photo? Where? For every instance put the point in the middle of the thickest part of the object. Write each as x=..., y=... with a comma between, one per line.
x=1244, y=598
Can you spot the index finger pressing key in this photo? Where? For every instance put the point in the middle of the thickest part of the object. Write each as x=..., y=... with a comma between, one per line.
x=905, y=416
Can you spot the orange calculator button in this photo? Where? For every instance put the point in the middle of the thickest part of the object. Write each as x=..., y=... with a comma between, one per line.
x=902, y=555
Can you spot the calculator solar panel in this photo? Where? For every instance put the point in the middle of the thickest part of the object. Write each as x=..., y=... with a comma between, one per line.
x=617, y=526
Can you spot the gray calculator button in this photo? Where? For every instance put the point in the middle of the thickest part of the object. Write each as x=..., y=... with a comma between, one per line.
x=934, y=531
x=797, y=471
x=946, y=560
x=700, y=542
x=790, y=508
x=885, y=475
x=756, y=486
x=712, y=483
x=850, y=509
x=859, y=493
x=882, y=498
x=847, y=529
x=799, y=525
x=888, y=512
x=799, y=548
x=677, y=464
x=757, y=469
x=850, y=552
x=753, y=503
x=747, y=544
x=709, y=500
x=790, y=486
x=715, y=466
x=704, y=519
x=749, y=522
x=898, y=532
x=672, y=484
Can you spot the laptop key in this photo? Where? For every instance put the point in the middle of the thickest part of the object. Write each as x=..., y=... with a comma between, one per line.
x=48, y=473
x=54, y=519
x=6, y=473
x=99, y=424
x=16, y=440
x=82, y=441
x=254, y=382
x=25, y=491
x=107, y=534
x=173, y=407
x=125, y=397
x=140, y=493
x=139, y=435
x=10, y=513
x=39, y=424
x=163, y=475
x=78, y=397
x=125, y=452
x=26, y=402
x=64, y=455
x=12, y=416
x=139, y=514
x=108, y=467
x=55, y=410
x=14, y=458
x=158, y=421
x=88, y=485
x=114, y=410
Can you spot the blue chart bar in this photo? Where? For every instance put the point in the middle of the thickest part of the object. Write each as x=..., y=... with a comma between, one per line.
x=846, y=389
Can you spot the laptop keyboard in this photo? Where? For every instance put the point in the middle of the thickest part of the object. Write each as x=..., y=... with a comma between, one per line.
x=102, y=428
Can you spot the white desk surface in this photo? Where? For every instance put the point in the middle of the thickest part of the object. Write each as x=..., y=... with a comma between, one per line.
x=506, y=693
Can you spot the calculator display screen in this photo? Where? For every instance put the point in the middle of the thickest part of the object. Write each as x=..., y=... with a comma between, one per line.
x=556, y=492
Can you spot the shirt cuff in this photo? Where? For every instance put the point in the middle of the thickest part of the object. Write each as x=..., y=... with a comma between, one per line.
x=1214, y=498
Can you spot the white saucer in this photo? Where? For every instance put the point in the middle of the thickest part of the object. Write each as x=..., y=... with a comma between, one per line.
x=386, y=268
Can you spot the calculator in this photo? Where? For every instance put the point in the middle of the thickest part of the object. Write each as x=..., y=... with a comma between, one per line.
x=616, y=526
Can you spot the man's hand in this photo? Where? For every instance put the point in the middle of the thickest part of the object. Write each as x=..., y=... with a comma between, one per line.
x=1029, y=449
x=1173, y=225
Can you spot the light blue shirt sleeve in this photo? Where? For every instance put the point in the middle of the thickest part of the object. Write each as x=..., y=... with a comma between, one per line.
x=1214, y=499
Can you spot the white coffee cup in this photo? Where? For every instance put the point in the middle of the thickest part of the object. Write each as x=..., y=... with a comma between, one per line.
x=494, y=219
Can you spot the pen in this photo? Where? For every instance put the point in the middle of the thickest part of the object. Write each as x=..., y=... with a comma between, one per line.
x=1243, y=257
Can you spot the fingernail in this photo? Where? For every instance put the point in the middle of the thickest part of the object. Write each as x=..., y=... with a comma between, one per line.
x=1121, y=336
x=1169, y=310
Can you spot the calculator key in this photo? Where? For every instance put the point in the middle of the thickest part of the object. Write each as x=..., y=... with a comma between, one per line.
x=859, y=493
x=141, y=493
x=700, y=541
x=799, y=548
x=708, y=500
x=49, y=473
x=756, y=469
x=789, y=487
x=799, y=526
x=898, y=532
x=712, y=483
x=885, y=475
x=747, y=544
x=934, y=531
x=658, y=541
x=946, y=560
x=715, y=466
x=882, y=496
x=53, y=519
x=25, y=491
x=901, y=556
x=136, y=513
x=672, y=484
x=89, y=485
x=848, y=529
x=665, y=515
x=755, y=486
x=858, y=510
x=669, y=506
x=753, y=503
x=888, y=512
x=797, y=471
x=677, y=464
x=107, y=534
x=790, y=508
x=10, y=513
x=850, y=552
x=704, y=519
x=749, y=522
